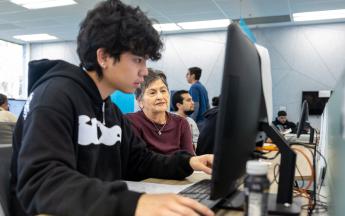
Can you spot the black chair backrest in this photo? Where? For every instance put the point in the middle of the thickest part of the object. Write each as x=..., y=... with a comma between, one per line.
x=6, y=132
x=5, y=163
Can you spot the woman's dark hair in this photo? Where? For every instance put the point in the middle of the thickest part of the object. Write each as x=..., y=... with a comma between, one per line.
x=117, y=28
x=152, y=76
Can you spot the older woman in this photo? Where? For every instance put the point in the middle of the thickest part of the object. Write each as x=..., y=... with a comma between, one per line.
x=163, y=132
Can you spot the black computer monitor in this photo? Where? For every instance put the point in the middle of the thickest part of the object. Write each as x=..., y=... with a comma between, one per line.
x=303, y=118
x=243, y=113
x=238, y=115
x=16, y=106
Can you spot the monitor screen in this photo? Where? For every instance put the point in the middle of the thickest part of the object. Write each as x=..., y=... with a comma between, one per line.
x=239, y=112
x=302, y=119
x=16, y=106
x=316, y=103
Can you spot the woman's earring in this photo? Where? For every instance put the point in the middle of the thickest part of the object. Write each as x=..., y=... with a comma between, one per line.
x=141, y=106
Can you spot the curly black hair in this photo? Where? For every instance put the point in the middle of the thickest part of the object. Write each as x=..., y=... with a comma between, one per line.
x=117, y=28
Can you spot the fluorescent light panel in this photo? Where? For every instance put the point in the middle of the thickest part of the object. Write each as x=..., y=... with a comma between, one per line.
x=35, y=37
x=37, y=4
x=205, y=24
x=166, y=27
x=319, y=15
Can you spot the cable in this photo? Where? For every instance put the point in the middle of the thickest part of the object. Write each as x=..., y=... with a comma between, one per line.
x=309, y=163
x=314, y=178
x=275, y=175
x=300, y=176
x=315, y=205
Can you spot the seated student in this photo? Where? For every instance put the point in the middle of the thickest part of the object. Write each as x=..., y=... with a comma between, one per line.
x=163, y=132
x=283, y=124
x=184, y=106
x=5, y=114
x=7, y=121
x=208, y=129
x=72, y=147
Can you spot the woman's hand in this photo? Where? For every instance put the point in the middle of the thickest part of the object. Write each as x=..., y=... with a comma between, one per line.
x=202, y=163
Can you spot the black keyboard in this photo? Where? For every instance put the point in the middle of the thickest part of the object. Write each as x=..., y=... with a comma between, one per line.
x=200, y=191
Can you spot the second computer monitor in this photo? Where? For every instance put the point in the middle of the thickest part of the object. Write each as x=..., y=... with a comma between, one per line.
x=16, y=106
x=303, y=118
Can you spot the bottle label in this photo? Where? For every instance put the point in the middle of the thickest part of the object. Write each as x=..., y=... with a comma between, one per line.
x=255, y=204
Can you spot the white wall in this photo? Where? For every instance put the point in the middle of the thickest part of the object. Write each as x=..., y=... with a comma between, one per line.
x=306, y=58
x=309, y=57
x=66, y=51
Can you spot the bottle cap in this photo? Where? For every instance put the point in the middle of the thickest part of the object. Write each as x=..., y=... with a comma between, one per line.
x=255, y=167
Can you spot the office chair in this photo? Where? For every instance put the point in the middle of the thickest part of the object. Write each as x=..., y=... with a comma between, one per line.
x=5, y=162
x=6, y=132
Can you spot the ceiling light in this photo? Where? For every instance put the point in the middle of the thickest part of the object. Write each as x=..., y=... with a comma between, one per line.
x=35, y=37
x=166, y=27
x=319, y=15
x=205, y=24
x=37, y=4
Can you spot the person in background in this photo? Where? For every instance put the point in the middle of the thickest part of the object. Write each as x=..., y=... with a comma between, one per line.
x=198, y=93
x=5, y=114
x=215, y=101
x=184, y=106
x=163, y=132
x=72, y=148
x=208, y=129
x=283, y=124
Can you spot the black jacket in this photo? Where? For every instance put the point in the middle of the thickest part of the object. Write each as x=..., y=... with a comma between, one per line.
x=71, y=150
x=207, y=132
x=285, y=126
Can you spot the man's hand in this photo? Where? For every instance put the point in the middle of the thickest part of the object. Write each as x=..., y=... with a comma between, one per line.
x=169, y=204
x=202, y=163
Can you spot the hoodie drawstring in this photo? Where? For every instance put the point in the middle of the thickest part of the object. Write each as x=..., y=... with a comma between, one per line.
x=103, y=112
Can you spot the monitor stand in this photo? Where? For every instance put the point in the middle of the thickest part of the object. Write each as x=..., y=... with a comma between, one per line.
x=281, y=203
x=236, y=202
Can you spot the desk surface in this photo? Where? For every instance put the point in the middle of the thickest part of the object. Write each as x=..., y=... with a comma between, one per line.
x=197, y=176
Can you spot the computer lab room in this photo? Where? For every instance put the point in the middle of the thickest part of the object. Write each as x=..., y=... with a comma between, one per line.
x=181, y=108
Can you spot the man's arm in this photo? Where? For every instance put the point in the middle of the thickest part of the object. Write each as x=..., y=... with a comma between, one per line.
x=196, y=111
x=193, y=91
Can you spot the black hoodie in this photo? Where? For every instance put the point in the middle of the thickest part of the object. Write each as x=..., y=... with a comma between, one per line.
x=71, y=150
x=287, y=125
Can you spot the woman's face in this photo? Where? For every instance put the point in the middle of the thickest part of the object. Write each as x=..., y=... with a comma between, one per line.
x=155, y=98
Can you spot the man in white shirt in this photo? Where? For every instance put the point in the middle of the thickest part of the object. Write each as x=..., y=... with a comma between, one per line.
x=184, y=106
x=5, y=114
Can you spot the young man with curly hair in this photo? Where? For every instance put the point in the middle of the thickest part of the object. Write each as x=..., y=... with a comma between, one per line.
x=72, y=147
